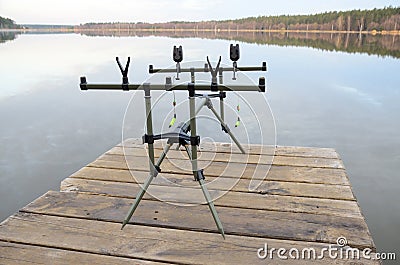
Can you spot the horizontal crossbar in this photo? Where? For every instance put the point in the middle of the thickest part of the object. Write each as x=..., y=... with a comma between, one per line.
x=204, y=87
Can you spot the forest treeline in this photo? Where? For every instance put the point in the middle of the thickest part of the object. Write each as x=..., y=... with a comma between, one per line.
x=381, y=45
x=384, y=19
x=6, y=23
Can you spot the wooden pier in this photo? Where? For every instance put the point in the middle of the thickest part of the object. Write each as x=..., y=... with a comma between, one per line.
x=305, y=201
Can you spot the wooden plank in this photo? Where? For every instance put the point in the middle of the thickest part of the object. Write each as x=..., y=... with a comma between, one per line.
x=143, y=242
x=250, y=148
x=209, y=147
x=232, y=158
x=308, y=175
x=243, y=185
x=236, y=221
x=21, y=254
x=230, y=199
x=202, y=156
x=277, y=173
x=220, y=169
x=306, y=152
x=217, y=169
x=337, y=192
x=307, y=162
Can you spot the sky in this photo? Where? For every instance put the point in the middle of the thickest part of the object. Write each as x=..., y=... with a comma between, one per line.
x=72, y=12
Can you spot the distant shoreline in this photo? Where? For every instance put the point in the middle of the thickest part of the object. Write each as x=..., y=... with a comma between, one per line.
x=81, y=30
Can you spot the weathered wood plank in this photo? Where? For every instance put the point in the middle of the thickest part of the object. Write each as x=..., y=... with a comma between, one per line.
x=232, y=158
x=306, y=152
x=143, y=242
x=217, y=169
x=307, y=162
x=237, y=221
x=233, y=170
x=202, y=156
x=309, y=175
x=243, y=185
x=251, y=149
x=230, y=199
x=21, y=254
x=277, y=173
x=209, y=147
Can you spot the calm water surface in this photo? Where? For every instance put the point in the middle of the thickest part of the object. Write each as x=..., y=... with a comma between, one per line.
x=50, y=129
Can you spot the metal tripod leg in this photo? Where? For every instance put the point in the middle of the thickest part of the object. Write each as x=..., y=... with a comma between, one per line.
x=198, y=174
x=212, y=207
x=206, y=193
x=210, y=106
x=143, y=189
x=154, y=168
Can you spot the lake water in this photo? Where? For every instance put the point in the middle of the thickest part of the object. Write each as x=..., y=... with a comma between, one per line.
x=319, y=97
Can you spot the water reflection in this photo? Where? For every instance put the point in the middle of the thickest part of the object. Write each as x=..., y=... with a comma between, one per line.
x=7, y=36
x=382, y=45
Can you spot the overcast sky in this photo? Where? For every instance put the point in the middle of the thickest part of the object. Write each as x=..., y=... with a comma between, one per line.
x=82, y=11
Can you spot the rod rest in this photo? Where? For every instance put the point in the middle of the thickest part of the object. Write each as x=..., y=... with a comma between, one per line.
x=124, y=72
x=264, y=66
x=83, y=84
x=261, y=84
